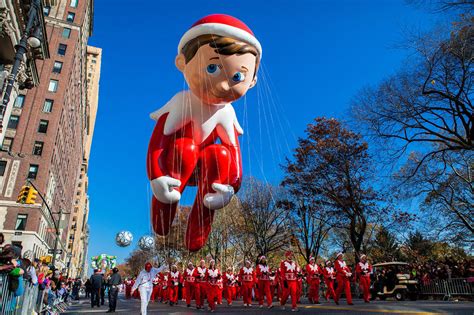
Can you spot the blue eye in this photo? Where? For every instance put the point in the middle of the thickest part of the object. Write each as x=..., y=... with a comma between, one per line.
x=238, y=77
x=213, y=69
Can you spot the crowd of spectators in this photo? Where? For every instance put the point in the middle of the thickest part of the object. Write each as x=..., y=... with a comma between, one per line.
x=448, y=268
x=18, y=273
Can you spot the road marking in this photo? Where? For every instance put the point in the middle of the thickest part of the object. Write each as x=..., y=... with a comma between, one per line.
x=369, y=310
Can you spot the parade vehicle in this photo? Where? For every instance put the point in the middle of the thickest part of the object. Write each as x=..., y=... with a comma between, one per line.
x=392, y=280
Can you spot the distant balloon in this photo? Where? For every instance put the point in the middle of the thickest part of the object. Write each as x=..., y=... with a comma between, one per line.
x=146, y=242
x=123, y=238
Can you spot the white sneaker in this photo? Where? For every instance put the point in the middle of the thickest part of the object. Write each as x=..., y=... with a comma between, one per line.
x=261, y=306
x=294, y=309
x=282, y=308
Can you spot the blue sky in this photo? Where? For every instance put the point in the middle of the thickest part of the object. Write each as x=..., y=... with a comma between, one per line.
x=316, y=56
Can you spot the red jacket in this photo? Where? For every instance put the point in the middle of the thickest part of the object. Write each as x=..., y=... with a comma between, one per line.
x=190, y=275
x=230, y=279
x=313, y=272
x=289, y=270
x=201, y=274
x=342, y=269
x=247, y=275
x=329, y=273
x=212, y=276
x=174, y=278
x=263, y=272
x=363, y=270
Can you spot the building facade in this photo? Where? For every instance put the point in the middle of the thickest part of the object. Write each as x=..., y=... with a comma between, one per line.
x=47, y=144
x=78, y=231
x=13, y=19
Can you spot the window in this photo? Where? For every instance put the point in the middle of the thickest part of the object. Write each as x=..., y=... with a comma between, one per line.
x=66, y=32
x=20, y=224
x=20, y=100
x=70, y=17
x=38, y=148
x=53, y=85
x=62, y=49
x=94, y=61
x=48, y=106
x=43, y=126
x=3, y=167
x=46, y=10
x=33, y=171
x=58, y=66
x=7, y=144
x=13, y=122
x=74, y=3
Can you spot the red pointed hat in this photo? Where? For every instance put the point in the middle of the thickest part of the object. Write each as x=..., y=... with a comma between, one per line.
x=222, y=25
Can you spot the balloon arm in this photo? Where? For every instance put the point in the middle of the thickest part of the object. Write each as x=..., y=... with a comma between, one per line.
x=158, y=142
x=235, y=174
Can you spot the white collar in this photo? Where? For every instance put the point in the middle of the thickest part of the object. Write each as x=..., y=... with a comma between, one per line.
x=185, y=107
x=290, y=266
x=247, y=270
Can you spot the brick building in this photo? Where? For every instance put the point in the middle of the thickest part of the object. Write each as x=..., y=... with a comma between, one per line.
x=47, y=141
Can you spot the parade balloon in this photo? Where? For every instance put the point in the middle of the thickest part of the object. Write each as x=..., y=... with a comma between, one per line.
x=146, y=243
x=123, y=238
x=104, y=262
x=195, y=139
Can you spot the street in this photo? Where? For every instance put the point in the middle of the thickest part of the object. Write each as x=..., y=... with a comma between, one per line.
x=378, y=307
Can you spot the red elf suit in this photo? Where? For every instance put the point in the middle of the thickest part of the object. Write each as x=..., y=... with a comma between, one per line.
x=212, y=277
x=230, y=283
x=190, y=283
x=174, y=279
x=343, y=276
x=248, y=280
x=329, y=277
x=201, y=286
x=289, y=278
x=155, y=294
x=363, y=272
x=196, y=144
x=313, y=274
x=128, y=288
x=263, y=278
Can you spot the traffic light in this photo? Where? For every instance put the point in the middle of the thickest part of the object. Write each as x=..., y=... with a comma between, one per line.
x=31, y=198
x=25, y=190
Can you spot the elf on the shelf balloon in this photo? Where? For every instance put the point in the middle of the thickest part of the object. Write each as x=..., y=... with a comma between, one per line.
x=195, y=140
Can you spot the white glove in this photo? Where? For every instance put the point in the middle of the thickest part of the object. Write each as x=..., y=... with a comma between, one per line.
x=220, y=198
x=163, y=189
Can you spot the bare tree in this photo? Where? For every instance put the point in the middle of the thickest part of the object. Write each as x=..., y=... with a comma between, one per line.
x=332, y=165
x=429, y=103
x=265, y=220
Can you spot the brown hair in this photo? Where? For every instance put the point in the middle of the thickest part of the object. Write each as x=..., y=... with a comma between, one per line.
x=223, y=46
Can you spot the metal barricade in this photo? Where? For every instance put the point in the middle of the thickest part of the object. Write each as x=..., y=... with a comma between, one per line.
x=459, y=287
x=29, y=302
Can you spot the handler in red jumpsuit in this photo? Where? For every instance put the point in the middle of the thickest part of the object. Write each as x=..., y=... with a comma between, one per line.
x=156, y=292
x=230, y=283
x=195, y=140
x=343, y=276
x=263, y=277
x=190, y=283
x=174, y=279
x=313, y=274
x=128, y=288
x=329, y=277
x=289, y=278
x=212, y=276
x=248, y=280
x=201, y=284
x=363, y=272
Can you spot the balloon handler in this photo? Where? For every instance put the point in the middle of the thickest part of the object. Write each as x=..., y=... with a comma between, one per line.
x=195, y=140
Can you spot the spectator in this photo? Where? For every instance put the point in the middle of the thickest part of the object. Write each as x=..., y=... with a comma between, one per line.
x=96, y=285
x=88, y=288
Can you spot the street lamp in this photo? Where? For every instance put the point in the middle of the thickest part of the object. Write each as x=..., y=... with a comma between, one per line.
x=30, y=37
